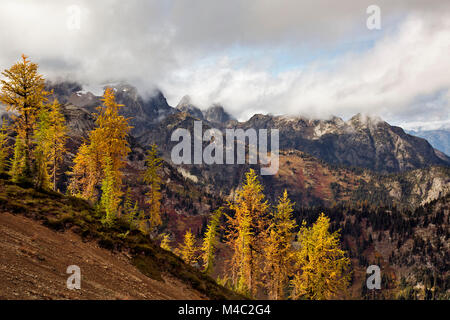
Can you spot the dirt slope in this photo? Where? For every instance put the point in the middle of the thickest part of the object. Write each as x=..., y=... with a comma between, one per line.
x=34, y=259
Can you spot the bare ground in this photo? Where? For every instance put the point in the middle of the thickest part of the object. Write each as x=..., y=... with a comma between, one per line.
x=34, y=259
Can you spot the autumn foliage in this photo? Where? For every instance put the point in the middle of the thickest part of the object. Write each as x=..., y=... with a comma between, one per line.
x=267, y=257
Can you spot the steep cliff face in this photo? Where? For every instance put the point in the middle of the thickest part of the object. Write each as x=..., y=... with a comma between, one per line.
x=311, y=181
x=360, y=142
x=440, y=139
x=217, y=114
x=143, y=112
x=311, y=149
x=185, y=105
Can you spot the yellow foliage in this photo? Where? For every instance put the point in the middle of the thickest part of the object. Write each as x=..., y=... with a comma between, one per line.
x=106, y=141
x=57, y=136
x=278, y=250
x=322, y=267
x=246, y=235
x=188, y=251
x=210, y=241
x=165, y=243
x=154, y=196
x=23, y=92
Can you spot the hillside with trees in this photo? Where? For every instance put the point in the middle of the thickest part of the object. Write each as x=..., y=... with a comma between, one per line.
x=308, y=232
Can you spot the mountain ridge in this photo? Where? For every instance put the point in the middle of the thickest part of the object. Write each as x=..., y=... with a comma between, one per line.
x=359, y=142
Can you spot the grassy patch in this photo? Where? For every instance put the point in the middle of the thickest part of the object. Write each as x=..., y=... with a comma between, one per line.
x=148, y=267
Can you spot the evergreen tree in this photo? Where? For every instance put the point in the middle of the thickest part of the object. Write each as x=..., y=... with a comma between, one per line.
x=110, y=199
x=57, y=137
x=152, y=178
x=210, y=241
x=18, y=161
x=4, y=149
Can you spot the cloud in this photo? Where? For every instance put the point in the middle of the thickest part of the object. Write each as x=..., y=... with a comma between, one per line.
x=297, y=57
x=385, y=80
x=426, y=125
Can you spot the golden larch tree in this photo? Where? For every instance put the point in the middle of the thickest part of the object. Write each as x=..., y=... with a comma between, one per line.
x=23, y=91
x=110, y=193
x=210, y=241
x=18, y=161
x=50, y=137
x=188, y=251
x=106, y=143
x=4, y=148
x=165, y=242
x=278, y=250
x=322, y=267
x=246, y=234
x=42, y=151
x=86, y=172
x=153, y=179
x=57, y=139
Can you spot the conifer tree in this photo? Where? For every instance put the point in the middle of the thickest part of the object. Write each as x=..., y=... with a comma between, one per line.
x=86, y=172
x=130, y=212
x=165, y=243
x=18, y=161
x=110, y=199
x=322, y=266
x=210, y=241
x=57, y=137
x=4, y=148
x=107, y=141
x=127, y=204
x=42, y=151
x=143, y=222
x=188, y=251
x=278, y=249
x=246, y=235
x=151, y=177
x=134, y=215
x=23, y=92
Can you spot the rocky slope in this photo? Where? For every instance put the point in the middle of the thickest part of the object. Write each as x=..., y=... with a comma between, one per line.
x=310, y=181
x=440, y=139
x=42, y=233
x=31, y=269
x=362, y=142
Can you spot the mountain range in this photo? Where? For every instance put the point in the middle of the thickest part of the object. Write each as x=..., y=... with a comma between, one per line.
x=362, y=141
x=385, y=188
x=439, y=139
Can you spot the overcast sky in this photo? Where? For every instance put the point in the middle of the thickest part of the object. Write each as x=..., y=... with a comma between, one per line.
x=312, y=58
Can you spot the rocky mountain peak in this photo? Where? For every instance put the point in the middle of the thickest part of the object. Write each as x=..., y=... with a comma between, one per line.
x=217, y=114
x=365, y=121
x=185, y=105
x=62, y=90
